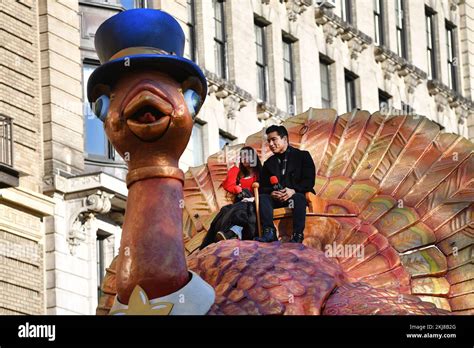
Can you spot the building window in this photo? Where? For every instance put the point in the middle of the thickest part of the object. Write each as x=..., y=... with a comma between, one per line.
x=288, y=74
x=225, y=138
x=401, y=29
x=197, y=141
x=6, y=140
x=130, y=4
x=378, y=22
x=100, y=250
x=262, y=67
x=191, y=35
x=346, y=11
x=452, y=56
x=430, y=42
x=324, y=68
x=220, y=39
x=350, y=86
x=385, y=102
x=97, y=145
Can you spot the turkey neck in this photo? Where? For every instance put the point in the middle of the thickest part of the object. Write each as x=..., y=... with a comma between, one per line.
x=152, y=248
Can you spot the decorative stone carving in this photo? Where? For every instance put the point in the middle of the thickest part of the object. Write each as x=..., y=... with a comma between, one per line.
x=388, y=60
x=391, y=63
x=99, y=202
x=446, y=97
x=356, y=46
x=82, y=217
x=453, y=5
x=296, y=7
x=266, y=111
x=293, y=7
x=330, y=31
x=232, y=104
x=234, y=98
x=412, y=75
x=441, y=93
x=463, y=112
x=78, y=232
x=84, y=181
x=333, y=26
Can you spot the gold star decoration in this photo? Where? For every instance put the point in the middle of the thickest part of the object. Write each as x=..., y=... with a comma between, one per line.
x=139, y=304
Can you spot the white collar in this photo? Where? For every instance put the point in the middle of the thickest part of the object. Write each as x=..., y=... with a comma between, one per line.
x=195, y=298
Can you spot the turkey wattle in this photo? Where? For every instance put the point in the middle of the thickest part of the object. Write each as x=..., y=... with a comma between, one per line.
x=412, y=188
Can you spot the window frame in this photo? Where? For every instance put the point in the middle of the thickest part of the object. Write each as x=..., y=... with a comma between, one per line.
x=136, y=4
x=401, y=32
x=346, y=11
x=227, y=135
x=220, y=44
x=379, y=22
x=100, y=261
x=452, y=56
x=326, y=62
x=110, y=155
x=350, y=80
x=201, y=125
x=263, y=66
x=290, y=80
x=431, y=47
x=191, y=25
x=384, y=96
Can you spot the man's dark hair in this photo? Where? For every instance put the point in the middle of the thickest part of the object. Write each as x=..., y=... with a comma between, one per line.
x=281, y=130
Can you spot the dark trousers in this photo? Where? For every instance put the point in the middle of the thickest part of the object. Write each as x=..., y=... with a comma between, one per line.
x=297, y=202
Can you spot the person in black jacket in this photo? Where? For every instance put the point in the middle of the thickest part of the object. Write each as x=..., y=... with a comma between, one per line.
x=296, y=175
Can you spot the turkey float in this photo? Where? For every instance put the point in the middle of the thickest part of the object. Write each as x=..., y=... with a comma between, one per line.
x=395, y=185
x=389, y=230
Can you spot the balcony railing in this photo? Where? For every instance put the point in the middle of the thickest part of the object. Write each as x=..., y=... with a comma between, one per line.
x=6, y=140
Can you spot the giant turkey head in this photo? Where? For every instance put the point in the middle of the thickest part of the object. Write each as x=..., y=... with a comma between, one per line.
x=148, y=117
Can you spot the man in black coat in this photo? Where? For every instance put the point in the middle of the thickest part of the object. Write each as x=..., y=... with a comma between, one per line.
x=296, y=175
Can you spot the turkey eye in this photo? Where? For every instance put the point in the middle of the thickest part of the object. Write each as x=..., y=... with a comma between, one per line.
x=193, y=101
x=101, y=107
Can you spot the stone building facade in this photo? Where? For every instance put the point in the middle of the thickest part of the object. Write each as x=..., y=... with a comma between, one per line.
x=63, y=194
x=23, y=206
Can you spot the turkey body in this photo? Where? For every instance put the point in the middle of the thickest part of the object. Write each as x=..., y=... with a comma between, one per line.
x=253, y=278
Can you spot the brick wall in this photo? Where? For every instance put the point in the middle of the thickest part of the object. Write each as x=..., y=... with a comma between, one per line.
x=21, y=275
x=20, y=86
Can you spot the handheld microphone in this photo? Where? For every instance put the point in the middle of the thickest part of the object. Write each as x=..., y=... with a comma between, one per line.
x=275, y=183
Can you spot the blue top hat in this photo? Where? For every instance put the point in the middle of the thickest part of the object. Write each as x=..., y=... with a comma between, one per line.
x=145, y=38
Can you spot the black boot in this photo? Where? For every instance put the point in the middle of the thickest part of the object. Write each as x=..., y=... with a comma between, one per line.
x=297, y=238
x=268, y=235
x=226, y=235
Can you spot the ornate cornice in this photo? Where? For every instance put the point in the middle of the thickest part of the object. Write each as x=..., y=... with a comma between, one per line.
x=412, y=75
x=446, y=97
x=334, y=26
x=233, y=97
x=266, y=111
x=294, y=8
x=391, y=63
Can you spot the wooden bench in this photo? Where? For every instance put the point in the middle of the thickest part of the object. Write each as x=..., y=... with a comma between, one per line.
x=317, y=206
